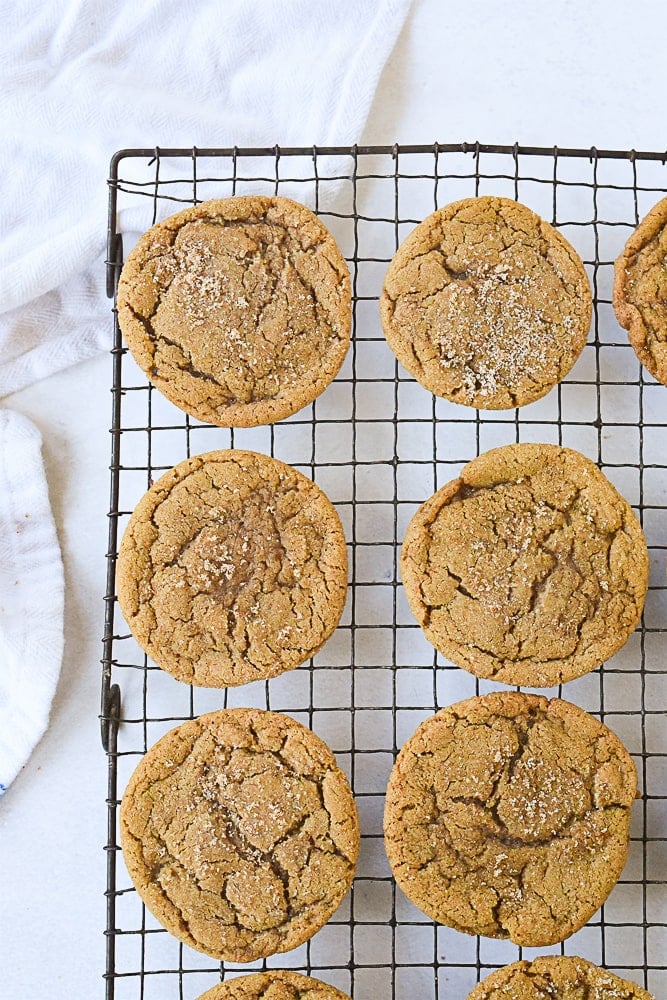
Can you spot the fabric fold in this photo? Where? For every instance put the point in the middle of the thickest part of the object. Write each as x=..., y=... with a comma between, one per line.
x=82, y=80
x=31, y=595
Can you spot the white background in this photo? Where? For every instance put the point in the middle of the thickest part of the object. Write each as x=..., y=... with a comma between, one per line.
x=566, y=72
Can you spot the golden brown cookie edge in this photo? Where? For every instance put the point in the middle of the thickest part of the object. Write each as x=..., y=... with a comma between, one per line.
x=155, y=899
x=415, y=242
x=510, y=704
x=146, y=507
x=628, y=316
x=236, y=414
x=229, y=990
x=582, y=971
x=519, y=674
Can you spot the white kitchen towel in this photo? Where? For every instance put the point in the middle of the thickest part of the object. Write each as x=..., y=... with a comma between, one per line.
x=83, y=78
x=31, y=595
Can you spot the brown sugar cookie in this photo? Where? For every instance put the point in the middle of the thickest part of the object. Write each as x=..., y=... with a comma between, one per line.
x=640, y=291
x=274, y=985
x=551, y=977
x=240, y=833
x=232, y=568
x=486, y=304
x=529, y=568
x=508, y=815
x=238, y=309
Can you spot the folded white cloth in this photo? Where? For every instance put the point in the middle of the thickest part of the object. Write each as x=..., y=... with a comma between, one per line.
x=31, y=595
x=78, y=80
x=84, y=78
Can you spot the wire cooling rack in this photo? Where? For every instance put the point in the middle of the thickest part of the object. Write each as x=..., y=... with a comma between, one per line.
x=379, y=444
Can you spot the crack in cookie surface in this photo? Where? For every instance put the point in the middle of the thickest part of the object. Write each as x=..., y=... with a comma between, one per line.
x=529, y=569
x=274, y=986
x=556, y=978
x=486, y=304
x=238, y=310
x=233, y=567
x=240, y=833
x=640, y=291
x=508, y=816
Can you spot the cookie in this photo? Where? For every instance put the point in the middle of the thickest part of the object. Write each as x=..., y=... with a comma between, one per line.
x=552, y=977
x=529, y=568
x=238, y=310
x=640, y=291
x=240, y=833
x=232, y=568
x=508, y=815
x=274, y=986
x=486, y=304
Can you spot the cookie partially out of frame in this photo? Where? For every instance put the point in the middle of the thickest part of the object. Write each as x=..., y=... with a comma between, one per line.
x=486, y=304
x=238, y=310
x=552, y=977
x=509, y=816
x=274, y=985
x=529, y=569
x=240, y=833
x=640, y=291
x=232, y=568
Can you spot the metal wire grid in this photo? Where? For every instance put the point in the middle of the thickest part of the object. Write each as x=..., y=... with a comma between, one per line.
x=379, y=444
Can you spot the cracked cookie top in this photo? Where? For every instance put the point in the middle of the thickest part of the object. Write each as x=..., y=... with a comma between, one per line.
x=640, y=291
x=232, y=568
x=238, y=309
x=240, y=833
x=508, y=815
x=529, y=569
x=486, y=304
x=552, y=977
x=274, y=986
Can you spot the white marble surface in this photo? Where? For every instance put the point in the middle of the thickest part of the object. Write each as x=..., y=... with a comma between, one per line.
x=541, y=73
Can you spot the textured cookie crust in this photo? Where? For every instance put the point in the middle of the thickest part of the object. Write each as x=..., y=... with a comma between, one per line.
x=508, y=815
x=274, y=986
x=528, y=569
x=238, y=310
x=232, y=568
x=486, y=304
x=640, y=291
x=240, y=833
x=555, y=978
